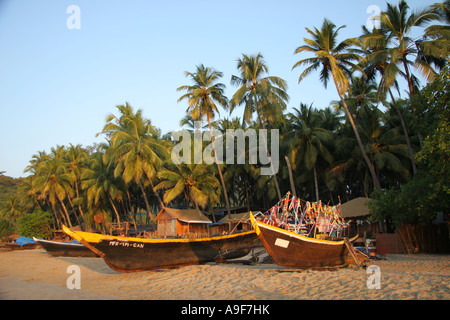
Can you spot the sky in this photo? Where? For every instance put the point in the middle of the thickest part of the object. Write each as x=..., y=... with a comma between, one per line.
x=63, y=71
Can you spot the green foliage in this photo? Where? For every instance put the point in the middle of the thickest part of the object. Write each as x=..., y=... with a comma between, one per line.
x=428, y=192
x=414, y=202
x=8, y=186
x=432, y=103
x=6, y=229
x=36, y=225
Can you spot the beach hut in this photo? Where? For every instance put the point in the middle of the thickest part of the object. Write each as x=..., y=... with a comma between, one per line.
x=356, y=208
x=238, y=221
x=181, y=222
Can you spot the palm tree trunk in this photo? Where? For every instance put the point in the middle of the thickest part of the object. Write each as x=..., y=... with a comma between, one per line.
x=78, y=195
x=65, y=210
x=115, y=210
x=411, y=93
x=55, y=214
x=316, y=184
x=268, y=154
x=408, y=76
x=156, y=193
x=405, y=132
x=291, y=178
x=227, y=202
x=376, y=182
x=147, y=205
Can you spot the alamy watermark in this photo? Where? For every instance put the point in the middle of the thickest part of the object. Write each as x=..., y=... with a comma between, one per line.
x=74, y=20
x=374, y=280
x=374, y=21
x=74, y=280
x=257, y=151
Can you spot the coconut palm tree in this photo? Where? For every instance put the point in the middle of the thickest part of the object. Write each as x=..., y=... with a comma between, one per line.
x=195, y=182
x=307, y=140
x=135, y=149
x=11, y=209
x=265, y=96
x=377, y=64
x=335, y=59
x=401, y=47
x=76, y=158
x=100, y=185
x=53, y=182
x=203, y=97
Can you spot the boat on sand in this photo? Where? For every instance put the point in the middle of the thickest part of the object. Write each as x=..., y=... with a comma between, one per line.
x=65, y=249
x=128, y=254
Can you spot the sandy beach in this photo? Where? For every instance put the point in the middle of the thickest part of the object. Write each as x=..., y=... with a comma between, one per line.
x=34, y=274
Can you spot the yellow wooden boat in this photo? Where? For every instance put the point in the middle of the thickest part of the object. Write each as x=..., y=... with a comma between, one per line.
x=128, y=254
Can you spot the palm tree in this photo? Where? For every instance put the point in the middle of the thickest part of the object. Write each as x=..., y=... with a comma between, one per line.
x=264, y=95
x=135, y=149
x=335, y=59
x=53, y=182
x=11, y=209
x=203, y=97
x=380, y=62
x=196, y=182
x=307, y=140
x=401, y=46
x=100, y=185
x=77, y=162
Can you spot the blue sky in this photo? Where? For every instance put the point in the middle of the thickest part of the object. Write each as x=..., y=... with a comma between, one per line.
x=58, y=85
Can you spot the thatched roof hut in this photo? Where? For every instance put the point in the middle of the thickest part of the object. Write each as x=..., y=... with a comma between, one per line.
x=355, y=208
x=177, y=222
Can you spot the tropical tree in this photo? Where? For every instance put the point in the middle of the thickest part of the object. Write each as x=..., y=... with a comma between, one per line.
x=195, y=182
x=400, y=47
x=335, y=59
x=265, y=96
x=377, y=63
x=203, y=97
x=307, y=140
x=53, y=183
x=76, y=158
x=135, y=149
x=11, y=209
x=100, y=185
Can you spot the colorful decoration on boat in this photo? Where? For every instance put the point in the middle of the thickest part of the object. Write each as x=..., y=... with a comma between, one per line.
x=312, y=219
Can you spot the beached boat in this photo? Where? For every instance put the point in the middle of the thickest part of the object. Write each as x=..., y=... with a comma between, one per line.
x=293, y=250
x=21, y=243
x=9, y=246
x=125, y=254
x=65, y=249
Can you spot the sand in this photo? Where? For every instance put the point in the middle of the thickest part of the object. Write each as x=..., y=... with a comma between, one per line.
x=33, y=274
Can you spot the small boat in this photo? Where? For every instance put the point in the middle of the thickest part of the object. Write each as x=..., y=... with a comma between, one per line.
x=21, y=243
x=65, y=249
x=126, y=254
x=293, y=250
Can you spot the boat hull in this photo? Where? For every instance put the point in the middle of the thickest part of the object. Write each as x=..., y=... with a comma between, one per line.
x=66, y=249
x=291, y=250
x=134, y=254
x=15, y=246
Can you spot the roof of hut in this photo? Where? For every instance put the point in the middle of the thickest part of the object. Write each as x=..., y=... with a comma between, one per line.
x=185, y=215
x=236, y=217
x=355, y=208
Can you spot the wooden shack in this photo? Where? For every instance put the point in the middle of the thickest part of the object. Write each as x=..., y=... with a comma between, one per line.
x=357, y=210
x=238, y=222
x=182, y=222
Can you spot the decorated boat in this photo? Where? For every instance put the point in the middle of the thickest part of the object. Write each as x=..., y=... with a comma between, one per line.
x=127, y=254
x=308, y=236
x=65, y=249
